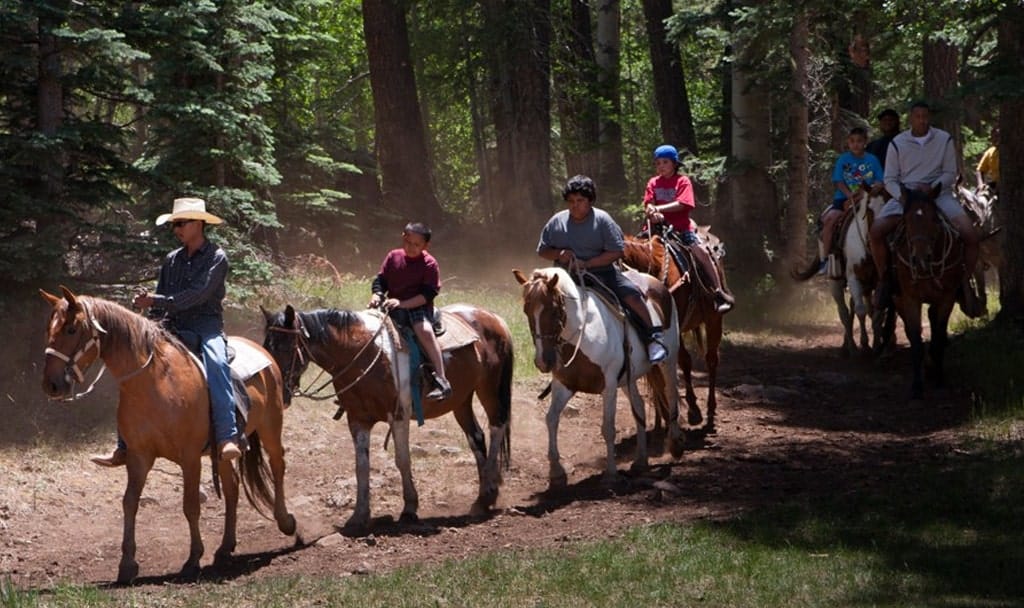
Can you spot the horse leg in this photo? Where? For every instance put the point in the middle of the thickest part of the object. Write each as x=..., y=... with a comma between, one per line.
x=938, y=317
x=560, y=396
x=275, y=455
x=411, y=500
x=488, y=492
x=693, y=415
x=670, y=387
x=190, y=473
x=608, y=430
x=911, y=313
x=839, y=295
x=636, y=403
x=229, y=488
x=138, y=469
x=858, y=302
x=359, y=522
x=714, y=341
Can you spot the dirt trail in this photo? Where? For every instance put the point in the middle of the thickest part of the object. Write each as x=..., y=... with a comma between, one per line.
x=795, y=421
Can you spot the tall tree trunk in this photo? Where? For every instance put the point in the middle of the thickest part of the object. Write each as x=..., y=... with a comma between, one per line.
x=402, y=153
x=796, y=212
x=575, y=88
x=1011, y=164
x=749, y=207
x=520, y=65
x=852, y=101
x=669, y=80
x=50, y=99
x=612, y=179
x=941, y=67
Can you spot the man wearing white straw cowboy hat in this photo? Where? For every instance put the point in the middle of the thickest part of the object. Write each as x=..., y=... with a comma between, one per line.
x=188, y=297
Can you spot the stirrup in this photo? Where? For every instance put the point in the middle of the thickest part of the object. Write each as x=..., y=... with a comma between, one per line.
x=442, y=391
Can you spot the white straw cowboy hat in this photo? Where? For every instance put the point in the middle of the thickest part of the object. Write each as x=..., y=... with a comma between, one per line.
x=189, y=209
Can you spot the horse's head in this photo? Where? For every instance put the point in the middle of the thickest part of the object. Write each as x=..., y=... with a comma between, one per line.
x=544, y=306
x=923, y=228
x=285, y=340
x=714, y=245
x=72, y=343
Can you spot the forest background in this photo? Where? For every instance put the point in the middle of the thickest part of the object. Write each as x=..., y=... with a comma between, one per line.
x=319, y=127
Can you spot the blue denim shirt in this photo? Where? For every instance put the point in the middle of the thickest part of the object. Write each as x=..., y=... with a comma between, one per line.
x=191, y=290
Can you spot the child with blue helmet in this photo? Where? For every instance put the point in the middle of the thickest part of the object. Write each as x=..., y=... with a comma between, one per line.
x=668, y=199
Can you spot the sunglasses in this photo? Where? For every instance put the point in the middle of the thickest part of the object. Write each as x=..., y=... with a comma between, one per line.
x=180, y=223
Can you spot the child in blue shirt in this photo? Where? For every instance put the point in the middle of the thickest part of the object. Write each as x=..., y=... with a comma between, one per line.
x=855, y=170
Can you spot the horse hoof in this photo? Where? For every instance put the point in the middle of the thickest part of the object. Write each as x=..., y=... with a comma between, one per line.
x=559, y=482
x=288, y=526
x=479, y=509
x=127, y=573
x=189, y=572
x=353, y=529
x=408, y=518
x=222, y=556
x=694, y=417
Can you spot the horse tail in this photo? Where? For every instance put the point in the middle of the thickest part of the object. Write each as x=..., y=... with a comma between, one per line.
x=807, y=273
x=255, y=475
x=655, y=382
x=505, y=404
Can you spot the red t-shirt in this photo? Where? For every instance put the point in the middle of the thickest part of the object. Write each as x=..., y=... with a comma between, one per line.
x=407, y=277
x=674, y=188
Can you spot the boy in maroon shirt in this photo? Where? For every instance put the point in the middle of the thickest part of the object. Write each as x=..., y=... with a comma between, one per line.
x=408, y=282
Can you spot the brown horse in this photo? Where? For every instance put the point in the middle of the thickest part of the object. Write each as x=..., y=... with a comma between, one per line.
x=370, y=375
x=929, y=264
x=163, y=412
x=695, y=308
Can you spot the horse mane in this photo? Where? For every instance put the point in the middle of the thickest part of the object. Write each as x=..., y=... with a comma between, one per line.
x=127, y=329
x=317, y=322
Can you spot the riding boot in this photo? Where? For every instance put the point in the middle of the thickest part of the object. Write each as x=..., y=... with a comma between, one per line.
x=723, y=301
x=117, y=458
x=656, y=352
x=442, y=389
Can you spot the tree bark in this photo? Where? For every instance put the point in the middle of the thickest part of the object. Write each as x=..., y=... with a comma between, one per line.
x=1010, y=209
x=519, y=60
x=799, y=172
x=941, y=70
x=575, y=88
x=669, y=79
x=402, y=153
x=611, y=181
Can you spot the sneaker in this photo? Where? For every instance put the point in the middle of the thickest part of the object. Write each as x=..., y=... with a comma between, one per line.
x=656, y=352
x=117, y=458
x=229, y=450
x=442, y=391
x=823, y=268
x=723, y=302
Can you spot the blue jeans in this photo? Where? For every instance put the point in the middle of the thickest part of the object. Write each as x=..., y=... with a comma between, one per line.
x=218, y=376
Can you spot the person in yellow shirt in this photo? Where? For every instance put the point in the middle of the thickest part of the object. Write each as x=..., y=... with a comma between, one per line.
x=987, y=171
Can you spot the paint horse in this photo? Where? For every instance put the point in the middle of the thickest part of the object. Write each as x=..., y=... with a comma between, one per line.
x=370, y=373
x=929, y=264
x=588, y=346
x=695, y=309
x=857, y=274
x=163, y=411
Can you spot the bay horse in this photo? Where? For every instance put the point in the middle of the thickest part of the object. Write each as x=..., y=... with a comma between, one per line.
x=163, y=412
x=929, y=265
x=858, y=276
x=696, y=311
x=370, y=374
x=588, y=347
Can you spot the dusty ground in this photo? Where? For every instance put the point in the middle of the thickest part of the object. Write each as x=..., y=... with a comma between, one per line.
x=795, y=421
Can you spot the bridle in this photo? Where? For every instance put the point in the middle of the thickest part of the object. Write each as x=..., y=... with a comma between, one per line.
x=558, y=301
x=301, y=355
x=71, y=361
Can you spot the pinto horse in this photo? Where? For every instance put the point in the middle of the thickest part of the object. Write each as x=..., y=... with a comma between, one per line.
x=579, y=338
x=858, y=276
x=929, y=266
x=163, y=411
x=695, y=308
x=370, y=375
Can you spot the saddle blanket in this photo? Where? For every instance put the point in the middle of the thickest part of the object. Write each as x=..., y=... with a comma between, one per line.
x=457, y=333
x=247, y=363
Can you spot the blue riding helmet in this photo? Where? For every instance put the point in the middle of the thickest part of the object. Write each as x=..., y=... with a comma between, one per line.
x=667, y=151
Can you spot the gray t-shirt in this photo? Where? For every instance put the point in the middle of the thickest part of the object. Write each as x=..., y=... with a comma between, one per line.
x=588, y=239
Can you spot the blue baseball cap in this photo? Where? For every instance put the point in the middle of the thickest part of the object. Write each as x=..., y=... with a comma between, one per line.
x=667, y=151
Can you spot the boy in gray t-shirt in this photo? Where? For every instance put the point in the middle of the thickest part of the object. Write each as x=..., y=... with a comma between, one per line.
x=588, y=238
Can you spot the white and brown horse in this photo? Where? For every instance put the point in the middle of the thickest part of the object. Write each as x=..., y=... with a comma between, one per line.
x=371, y=377
x=587, y=346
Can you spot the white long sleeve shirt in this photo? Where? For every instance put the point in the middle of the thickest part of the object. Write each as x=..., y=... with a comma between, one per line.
x=911, y=162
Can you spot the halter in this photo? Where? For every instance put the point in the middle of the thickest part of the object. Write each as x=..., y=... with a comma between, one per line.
x=72, y=360
x=297, y=355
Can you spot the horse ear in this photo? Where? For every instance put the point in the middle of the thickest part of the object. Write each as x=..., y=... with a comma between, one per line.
x=519, y=276
x=704, y=228
x=49, y=297
x=553, y=280
x=69, y=296
x=289, y=316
